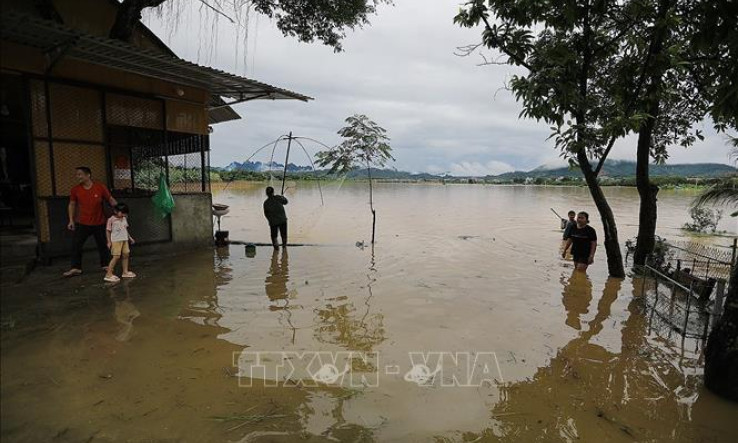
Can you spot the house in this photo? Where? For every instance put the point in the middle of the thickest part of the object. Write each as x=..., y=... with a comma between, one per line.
x=71, y=96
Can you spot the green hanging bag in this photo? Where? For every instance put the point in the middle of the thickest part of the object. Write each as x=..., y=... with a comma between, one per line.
x=163, y=200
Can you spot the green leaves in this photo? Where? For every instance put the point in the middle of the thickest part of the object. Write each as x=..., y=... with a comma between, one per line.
x=366, y=144
x=324, y=20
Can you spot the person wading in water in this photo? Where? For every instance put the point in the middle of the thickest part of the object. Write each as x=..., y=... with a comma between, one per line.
x=571, y=223
x=274, y=213
x=583, y=242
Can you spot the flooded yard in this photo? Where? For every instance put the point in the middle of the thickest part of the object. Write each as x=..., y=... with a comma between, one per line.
x=462, y=324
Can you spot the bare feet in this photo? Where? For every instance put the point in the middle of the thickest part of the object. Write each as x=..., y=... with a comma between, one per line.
x=72, y=272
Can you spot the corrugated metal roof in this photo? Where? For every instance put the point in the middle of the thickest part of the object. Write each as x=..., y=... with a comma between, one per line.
x=219, y=112
x=47, y=35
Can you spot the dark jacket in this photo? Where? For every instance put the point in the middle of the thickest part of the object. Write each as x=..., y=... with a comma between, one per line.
x=274, y=210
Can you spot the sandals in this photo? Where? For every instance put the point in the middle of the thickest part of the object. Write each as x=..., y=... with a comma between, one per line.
x=111, y=279
x=129, y=274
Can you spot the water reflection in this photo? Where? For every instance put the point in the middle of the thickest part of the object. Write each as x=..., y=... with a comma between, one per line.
x=576, y=296
x=223, y=266
x=350, y=325
x=589, y=392
x=125, y=311
x=200, y=288
x=275, y=283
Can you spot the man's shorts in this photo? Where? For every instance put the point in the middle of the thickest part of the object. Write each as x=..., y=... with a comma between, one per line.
x=119, y=247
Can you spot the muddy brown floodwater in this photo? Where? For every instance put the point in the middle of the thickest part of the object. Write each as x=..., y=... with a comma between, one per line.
x=462, y=324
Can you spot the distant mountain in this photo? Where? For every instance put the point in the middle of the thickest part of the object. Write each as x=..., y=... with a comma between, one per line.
x=392, y=174
x=260, y=167
x=625, y=168
x=612, y=169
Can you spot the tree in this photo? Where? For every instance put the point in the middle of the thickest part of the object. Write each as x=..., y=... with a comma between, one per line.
x=128, y=16
x=567, y=50
x=713, y=57
x=725, y=191
x=690, y=74
x=326, y=21
x=715, y=44
x=600, y=69
x=365, y=144
x=721, y=352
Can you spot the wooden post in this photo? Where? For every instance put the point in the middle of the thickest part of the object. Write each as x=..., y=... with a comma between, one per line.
x=707, y=269
x=374, y=224
x=686, y=314
x=371, y=200
x=717, y=308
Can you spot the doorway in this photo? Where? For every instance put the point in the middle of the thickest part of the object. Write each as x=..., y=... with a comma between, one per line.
x=17, y=215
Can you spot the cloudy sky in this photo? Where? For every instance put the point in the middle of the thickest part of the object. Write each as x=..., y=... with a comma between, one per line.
x=443, y=113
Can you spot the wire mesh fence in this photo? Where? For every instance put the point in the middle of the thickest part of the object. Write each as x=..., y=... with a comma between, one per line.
x=701, y=260
x=141, y=156
x=703, y=268
x=673, y=308
x=187, y=174
x=146, y=170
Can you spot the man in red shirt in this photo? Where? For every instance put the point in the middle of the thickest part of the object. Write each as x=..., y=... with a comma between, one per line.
x=86, y=217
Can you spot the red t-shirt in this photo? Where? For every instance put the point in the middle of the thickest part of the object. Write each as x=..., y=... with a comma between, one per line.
x=90, y=203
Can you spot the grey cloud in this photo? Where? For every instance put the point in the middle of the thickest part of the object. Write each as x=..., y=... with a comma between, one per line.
x=442, y=112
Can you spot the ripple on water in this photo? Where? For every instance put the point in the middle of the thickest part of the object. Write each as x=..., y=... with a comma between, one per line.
x=455, y=268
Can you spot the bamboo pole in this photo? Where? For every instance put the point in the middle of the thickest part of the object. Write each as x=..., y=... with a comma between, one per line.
x=286, y=160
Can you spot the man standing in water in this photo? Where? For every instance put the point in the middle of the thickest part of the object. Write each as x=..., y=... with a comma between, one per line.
x=274, y=213
x=570, y=224
x=86, y=217
x=583, y=242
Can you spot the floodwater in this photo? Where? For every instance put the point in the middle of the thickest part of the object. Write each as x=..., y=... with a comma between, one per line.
x=461, y=324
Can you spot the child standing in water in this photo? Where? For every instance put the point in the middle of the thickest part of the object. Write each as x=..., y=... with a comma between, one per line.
x=118, y=239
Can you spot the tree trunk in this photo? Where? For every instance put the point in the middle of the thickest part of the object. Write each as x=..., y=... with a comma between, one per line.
x=374, y=223
x=647, y=192
x=47, y=10
x=371, y=200
x=612, y=244
x=721, y=352
x=129, y=13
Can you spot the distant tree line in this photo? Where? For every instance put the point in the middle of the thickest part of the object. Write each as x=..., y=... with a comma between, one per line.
x=388, y=175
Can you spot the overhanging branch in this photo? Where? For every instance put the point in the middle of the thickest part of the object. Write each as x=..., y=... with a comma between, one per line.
x=502, y=48
x=604, y=155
